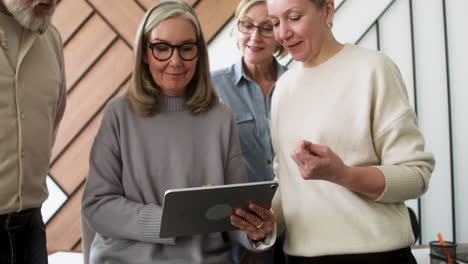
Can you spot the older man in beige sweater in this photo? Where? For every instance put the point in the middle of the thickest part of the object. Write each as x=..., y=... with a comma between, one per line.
x=32, y=102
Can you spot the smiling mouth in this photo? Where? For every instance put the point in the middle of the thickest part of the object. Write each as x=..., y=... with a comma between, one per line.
x=43, y=8
x=255, y=49
x=44, y=4
x=175, y=74
x=293, y=45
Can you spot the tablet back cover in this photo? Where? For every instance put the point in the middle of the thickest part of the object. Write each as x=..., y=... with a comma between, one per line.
x=191, y=211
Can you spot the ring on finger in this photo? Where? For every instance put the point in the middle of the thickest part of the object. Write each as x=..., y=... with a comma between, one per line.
x=244, y=223
x=260, y=225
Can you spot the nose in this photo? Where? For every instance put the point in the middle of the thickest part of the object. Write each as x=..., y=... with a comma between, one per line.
x=255, y=35
x=175, y=59
x=283, y=32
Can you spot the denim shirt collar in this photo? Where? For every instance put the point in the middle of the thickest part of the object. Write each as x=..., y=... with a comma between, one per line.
x=239, y=72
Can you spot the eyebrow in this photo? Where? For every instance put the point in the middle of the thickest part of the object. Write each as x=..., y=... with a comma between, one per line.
x=287, y=12
x=248, y=19
x=158, y=40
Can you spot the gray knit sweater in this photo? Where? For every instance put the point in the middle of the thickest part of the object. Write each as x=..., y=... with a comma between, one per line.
x=135, y=159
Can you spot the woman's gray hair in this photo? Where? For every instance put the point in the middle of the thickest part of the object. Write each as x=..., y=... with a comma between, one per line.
x=144, y=92
x=242, y=8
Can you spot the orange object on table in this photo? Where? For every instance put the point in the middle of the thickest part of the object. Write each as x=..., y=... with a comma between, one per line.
x=442, y=242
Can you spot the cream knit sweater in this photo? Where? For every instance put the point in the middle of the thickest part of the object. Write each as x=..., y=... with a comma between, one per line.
x=355, y=103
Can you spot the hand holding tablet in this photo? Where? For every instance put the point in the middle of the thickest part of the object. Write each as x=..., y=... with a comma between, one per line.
x=257, y=222
x=191, y=211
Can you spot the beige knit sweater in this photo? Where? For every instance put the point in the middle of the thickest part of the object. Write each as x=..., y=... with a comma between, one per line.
x=355, y=103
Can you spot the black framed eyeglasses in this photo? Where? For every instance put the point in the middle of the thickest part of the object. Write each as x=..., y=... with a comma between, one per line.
x=163, y=51
x=246, y=27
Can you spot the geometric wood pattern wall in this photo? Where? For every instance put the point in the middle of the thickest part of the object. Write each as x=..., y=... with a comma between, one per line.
x=98, y=37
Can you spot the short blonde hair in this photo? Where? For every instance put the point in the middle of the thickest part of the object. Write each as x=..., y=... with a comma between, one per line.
x=143, y=93
x=242, y=8
x=318, y=3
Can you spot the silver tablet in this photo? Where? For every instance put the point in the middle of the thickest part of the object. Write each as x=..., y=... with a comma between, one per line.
x=190, y=211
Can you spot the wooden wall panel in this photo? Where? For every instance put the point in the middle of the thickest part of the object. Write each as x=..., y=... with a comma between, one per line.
x=78, y=247
x=149, y=3
x=83, y=50
x=86, y=98
x=69, y=16
x=63, y=230
x=212, y=21
x=68, y=218
x=76, y=157
x=123, y=15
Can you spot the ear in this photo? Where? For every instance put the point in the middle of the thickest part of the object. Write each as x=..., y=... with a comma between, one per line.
x=329, y=11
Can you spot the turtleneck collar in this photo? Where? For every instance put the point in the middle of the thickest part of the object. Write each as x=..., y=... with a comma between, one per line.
x=171, y=104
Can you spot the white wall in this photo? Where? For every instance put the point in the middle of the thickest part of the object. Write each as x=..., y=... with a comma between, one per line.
x=457, y=22
x=432, y=96
x=434, y=65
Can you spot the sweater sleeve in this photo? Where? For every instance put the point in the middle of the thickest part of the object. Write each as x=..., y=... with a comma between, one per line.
x=62, y=102
x=276, y=204
x=240, y=237
x=407, y=167
x=105, y=206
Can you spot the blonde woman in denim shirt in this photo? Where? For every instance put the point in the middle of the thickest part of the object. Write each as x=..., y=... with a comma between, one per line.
x=246, y=87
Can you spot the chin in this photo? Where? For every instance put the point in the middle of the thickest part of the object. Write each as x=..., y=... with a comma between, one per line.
x=256, y=59
x=298, y=57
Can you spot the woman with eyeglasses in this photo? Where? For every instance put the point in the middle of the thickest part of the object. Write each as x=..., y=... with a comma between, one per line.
x=168, y=131
x=246, y=87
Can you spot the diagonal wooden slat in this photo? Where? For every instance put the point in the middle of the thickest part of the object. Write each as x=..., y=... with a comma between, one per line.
x=149, y=3
x=78, y=247
x=86, y=98
x=63, y=231
x=122, y=15
x=125, y=15
x=212, y=21
x=76, y=157
x=69, y=16
x=81, y=52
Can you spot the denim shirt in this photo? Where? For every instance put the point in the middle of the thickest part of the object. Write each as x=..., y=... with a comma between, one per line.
x=252, y=114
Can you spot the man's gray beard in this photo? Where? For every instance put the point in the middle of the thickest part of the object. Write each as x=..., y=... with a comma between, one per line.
x=26, y=17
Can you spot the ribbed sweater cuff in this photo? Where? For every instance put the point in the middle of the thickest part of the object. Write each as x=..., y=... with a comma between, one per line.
x=267, y=242
x=401, y=184
x=150, y=226
x=242, y=238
